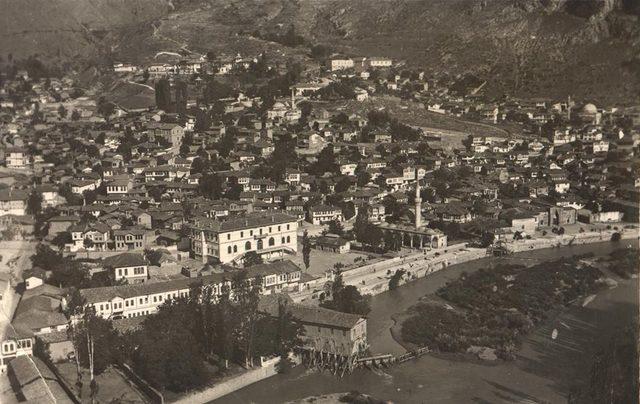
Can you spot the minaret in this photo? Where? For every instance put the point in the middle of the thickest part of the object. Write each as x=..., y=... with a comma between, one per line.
x=418, y=203
x=293, y=99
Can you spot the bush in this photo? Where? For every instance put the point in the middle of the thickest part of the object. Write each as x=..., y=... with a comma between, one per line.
x=616, y=237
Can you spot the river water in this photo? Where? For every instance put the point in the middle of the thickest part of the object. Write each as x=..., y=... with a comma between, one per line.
x=543, y=371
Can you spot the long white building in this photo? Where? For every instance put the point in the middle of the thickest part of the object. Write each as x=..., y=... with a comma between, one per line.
x=140, y=299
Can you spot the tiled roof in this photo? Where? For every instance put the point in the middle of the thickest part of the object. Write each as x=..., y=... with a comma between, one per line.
x=244, y=222
x=124, y=260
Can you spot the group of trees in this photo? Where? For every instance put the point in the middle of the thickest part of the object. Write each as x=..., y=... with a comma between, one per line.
x=191, y=338
x=496, y=307
x=346, y=298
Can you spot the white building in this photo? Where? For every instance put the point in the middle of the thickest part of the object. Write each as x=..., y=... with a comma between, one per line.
x=141, y=299
x=128, y=266
x=269, y=235
x=321, y=214
x=17, y=158
x=341, y=63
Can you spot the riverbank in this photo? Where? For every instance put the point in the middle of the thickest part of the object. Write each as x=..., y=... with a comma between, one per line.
x=544, y=369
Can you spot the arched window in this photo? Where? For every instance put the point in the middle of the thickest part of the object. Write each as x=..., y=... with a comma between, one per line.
x=247, y=246
x=288, y=239
x=229, y=249
x=283, y=240
x=235, y=248
x=271, y=241
x=260, y=244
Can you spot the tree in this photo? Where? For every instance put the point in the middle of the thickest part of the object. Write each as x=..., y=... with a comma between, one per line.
x=34, y=203
x=97, y=343
x=394, y=282
x=210, y=186
x=87, y=243
x=306, y=250
x=347, y=299
x=247, y=295
x=75, y=115
x=252, y=258
x=163, y=94
x=105, y=108
x=335, y=227
x=168, y=354
x=62, y=112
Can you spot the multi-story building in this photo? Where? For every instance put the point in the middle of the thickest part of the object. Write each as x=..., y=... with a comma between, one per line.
x=97, y=235
x=341, y=63
x=378, y=62
x=129, y=266
x=269, y=235
x=141, y=299
x=130, y=239
x=321, y=214
x=16, y=157
x=13, y=202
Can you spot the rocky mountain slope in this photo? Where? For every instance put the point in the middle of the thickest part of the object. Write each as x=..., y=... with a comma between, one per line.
x=587, y=48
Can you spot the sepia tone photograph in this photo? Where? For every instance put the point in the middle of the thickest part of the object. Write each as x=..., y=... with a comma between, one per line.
x=319, y=201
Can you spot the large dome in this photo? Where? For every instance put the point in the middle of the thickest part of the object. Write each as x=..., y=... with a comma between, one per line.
x=590, y=109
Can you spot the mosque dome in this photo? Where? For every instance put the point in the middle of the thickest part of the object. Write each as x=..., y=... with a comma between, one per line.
x=589, y=109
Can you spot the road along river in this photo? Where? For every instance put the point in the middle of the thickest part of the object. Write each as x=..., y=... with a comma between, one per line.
x=544, y=370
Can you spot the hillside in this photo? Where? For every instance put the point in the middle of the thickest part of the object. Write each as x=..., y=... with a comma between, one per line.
x=587, y=48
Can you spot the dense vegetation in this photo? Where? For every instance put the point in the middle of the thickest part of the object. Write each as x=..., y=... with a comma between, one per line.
x=495, y=308
x=177, y=348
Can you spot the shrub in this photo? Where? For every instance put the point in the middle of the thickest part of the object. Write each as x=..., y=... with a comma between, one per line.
x=616, y=237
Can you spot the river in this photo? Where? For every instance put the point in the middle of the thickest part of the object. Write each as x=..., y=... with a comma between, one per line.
x=544, y=370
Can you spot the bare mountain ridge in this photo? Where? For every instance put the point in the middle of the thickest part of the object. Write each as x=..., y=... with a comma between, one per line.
x=528, y=47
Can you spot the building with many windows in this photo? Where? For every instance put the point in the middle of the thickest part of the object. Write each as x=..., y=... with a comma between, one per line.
x=129, y=266
x=270, y=235
x=141, y=299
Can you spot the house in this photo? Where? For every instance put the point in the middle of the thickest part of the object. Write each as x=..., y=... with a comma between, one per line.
x=131, y=267
x=61, y=224
x=378, y=62
x=13, y=202
x=119, y=186
x=89, y=236
x=341, y=334
x=268, y=234
x=586, y=216
x=333, y=244
x=340, y=63
x=520, y=220
x=79, y=186
x=322, y=214
x=34, y=382
x=171, y=133
x=130, y=239
x=16, y=158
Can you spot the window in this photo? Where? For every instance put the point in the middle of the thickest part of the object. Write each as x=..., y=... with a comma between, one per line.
x=287, y=227
x=247, y=246
x=269, y=229
x=235, y=248
x=229, y=249
x=288, y=239
x=251, y=232
x=228, y=236
x=271, y=241
x=241, y=234
x=278, y=228
x=283, y=240
x=260, y=231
